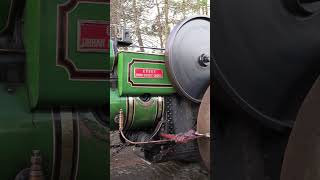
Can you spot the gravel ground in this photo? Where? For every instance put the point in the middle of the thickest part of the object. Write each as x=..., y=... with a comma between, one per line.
x=127, y=164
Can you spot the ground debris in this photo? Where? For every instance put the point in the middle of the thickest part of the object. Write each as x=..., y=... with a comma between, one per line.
x=126, y=164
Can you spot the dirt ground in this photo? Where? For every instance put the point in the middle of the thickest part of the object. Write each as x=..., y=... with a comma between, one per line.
x=127, y=164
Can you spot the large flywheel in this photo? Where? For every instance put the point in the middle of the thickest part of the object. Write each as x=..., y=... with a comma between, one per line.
x=302, y=158
x=266, y=55
x=188, y=57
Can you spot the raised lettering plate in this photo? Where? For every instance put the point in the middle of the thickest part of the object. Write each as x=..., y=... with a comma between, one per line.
x=93, y=36
x=148, y=73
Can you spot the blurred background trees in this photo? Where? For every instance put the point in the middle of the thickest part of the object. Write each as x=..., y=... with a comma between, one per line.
x=150, y=21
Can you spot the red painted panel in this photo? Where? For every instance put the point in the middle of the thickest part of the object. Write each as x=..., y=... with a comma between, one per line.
x=148, y=73
x=93, y=36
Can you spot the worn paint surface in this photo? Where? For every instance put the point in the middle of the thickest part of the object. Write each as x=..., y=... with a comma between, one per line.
x=43, y=113
x=73, y=142
x=137, y=113
x=130, y=84
x=57, y=72
x=22, y=131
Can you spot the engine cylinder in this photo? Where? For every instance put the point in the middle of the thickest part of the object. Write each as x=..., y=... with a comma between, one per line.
x=139, y=112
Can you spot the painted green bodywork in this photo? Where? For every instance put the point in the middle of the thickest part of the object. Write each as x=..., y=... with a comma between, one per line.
x=144, y=112
x=22, y=131
x=161, y=86
x=26, y=114
x=4, y=13
x=94, y=146
x=116, y=103
x=48, y=83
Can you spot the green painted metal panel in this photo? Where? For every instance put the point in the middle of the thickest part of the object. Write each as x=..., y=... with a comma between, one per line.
x=116, y=103
x=59, y=69
x=132, y=82
x=73, y=142
x=145, y=114
x=32, y=46
x=5, y=8
x=21, y=132
x=93, y=145
x=138, y=114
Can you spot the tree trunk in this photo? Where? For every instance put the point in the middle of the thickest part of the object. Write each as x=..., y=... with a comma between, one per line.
x=184, y=8
x=160, y=29
x=206, y=7
x=137, y=23
x=115, y=19
x=166, y=13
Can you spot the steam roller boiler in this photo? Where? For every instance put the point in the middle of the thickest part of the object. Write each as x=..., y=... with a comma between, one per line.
x=160, y=98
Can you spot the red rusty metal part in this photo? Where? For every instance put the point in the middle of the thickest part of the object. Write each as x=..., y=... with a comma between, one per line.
x=182, y=138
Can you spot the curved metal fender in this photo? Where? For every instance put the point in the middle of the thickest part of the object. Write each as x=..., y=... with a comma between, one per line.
x=302, y=158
